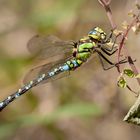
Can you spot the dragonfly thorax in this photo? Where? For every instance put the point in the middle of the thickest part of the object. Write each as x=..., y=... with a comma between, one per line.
x=83, y=50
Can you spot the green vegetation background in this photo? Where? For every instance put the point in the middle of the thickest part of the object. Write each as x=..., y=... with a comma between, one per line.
x=87, y=105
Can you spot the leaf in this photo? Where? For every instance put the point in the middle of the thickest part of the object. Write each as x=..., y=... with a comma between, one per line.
x=122, y=82
x=129, y=73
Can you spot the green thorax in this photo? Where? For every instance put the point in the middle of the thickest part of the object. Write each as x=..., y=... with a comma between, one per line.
x=85, y=49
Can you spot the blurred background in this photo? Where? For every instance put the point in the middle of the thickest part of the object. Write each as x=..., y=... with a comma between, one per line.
x=87, y=105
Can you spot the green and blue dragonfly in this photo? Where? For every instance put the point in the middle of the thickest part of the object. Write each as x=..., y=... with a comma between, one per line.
x=74, y=55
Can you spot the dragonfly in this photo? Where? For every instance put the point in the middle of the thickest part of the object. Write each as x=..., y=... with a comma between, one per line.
x=75, y=54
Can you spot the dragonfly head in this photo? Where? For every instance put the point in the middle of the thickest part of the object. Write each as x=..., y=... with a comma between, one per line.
x=97, y=34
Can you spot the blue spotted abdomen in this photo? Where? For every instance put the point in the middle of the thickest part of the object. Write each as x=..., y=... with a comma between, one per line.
x=68, y=66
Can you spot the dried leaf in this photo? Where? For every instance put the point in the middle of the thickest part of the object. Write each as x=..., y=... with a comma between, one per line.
x=136, y=28
x=125, y=25
x=131, y=13
x=117, y=32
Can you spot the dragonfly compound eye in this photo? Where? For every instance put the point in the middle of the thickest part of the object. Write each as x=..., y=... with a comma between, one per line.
x=94, y=34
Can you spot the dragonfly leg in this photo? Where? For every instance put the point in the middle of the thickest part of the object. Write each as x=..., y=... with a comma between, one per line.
x=109, y=37
x=109, y=62
x=107, y=50
x=109, y=53
x=102, y=63
x=107, y=40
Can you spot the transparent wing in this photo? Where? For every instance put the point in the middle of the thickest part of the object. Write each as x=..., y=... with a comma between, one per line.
x=48, y=46
x=44, y=69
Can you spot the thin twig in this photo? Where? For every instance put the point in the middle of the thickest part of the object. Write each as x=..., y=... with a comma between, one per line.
x=106, y=5
x=132, y=65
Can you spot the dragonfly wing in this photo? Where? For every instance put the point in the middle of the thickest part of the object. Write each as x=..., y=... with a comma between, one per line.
x=44, y=69
x=48, y=46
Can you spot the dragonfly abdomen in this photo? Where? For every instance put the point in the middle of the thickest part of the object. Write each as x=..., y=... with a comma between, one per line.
x=74, y=63
x=68, y=66
x=21, y=91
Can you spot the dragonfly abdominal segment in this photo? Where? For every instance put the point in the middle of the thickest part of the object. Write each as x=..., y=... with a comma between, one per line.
x=68, y=66
x=21, y=91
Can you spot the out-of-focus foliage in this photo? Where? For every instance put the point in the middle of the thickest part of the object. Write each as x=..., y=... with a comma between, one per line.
x=64, y=112
x=86, y=105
